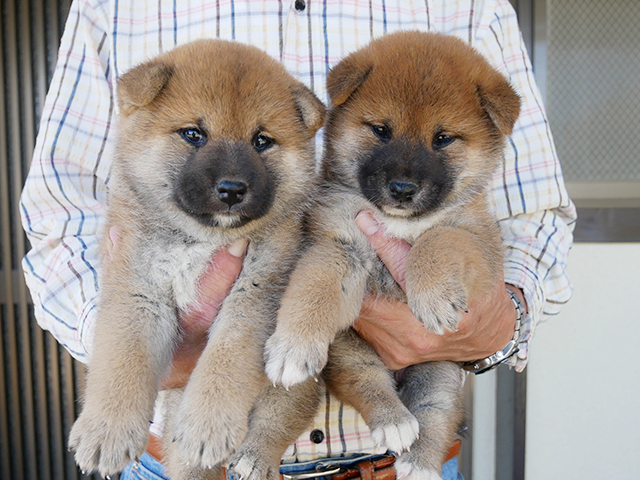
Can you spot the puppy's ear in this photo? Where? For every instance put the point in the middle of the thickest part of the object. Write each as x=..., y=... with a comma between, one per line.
x=311, y=109
x=347, y=76
x=499, y=100
x=139, y=86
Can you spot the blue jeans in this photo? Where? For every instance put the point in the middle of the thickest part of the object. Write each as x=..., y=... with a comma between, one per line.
x=148, y=468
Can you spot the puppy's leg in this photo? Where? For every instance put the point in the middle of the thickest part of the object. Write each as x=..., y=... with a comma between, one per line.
x=176, y=467
x=433, y=393
x=134, y=340
x=323, y=297
x=276, y=420
x=212, y=417
x=356, y=375
x=449, y=266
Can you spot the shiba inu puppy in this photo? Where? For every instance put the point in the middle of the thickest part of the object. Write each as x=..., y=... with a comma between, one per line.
x=415, y=131
x=215, y=143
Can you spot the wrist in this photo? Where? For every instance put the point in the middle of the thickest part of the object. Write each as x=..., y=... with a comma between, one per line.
x=492, y=361
x=518, y=291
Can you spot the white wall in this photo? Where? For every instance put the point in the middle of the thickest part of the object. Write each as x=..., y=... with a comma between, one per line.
x=583, y=385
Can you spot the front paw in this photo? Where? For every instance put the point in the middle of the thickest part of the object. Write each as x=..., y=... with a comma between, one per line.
x=291, y=360
x=253, y=465
x=107, y=443
x=396, y=435
x=440, y=306
x=208, y=429
x=406, y=470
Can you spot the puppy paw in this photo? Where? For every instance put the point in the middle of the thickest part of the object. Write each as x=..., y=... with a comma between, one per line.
x=290, y=360
x=207, y=432
x=408, y=471
x=396, y=436
x=106, y=444
x=438, y=307
x=251, y=465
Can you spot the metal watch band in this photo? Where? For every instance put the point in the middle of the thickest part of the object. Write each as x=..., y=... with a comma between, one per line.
x=491, y=362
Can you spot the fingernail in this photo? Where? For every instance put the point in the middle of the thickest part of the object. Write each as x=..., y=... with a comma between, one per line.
x=238, y=248
x=114, y=240
x=112, y=236
x=367, y=223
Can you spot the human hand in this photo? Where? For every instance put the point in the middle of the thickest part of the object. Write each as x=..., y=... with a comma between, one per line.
x=402, y=340
x=214, y=285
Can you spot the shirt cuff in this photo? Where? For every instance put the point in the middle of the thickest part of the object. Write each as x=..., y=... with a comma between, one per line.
x=519, y=274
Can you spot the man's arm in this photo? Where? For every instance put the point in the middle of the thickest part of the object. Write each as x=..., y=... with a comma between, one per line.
x=65, y=191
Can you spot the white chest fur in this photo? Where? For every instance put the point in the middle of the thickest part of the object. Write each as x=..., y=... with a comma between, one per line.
x=411, y=229
x=180, y=266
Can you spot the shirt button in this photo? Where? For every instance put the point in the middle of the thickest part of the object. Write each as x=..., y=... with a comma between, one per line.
x=316, y=436
x=300, y=5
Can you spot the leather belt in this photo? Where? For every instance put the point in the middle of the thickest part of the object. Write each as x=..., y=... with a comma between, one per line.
x=376, y=469
x=155, y=447
x=382, y=469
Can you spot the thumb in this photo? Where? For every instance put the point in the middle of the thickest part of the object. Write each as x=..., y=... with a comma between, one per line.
x=113, y=241
x=392, y=251
x=215, y=284
x=223, y=270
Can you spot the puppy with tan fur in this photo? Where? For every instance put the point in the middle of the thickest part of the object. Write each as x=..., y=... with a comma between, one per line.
x=215, y=143
x=416, y=129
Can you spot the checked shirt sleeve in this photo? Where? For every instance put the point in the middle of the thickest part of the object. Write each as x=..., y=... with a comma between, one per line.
x=535, y=213
x=63, y=198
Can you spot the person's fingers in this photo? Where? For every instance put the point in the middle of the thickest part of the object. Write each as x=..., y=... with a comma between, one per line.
x=392, y=251
x=222, y=272
x=395, y=334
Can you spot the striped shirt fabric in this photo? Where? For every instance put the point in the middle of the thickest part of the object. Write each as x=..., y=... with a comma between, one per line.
x=66, y=190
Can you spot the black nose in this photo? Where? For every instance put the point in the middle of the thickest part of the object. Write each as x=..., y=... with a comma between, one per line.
x=231, y=192
x=402, y=191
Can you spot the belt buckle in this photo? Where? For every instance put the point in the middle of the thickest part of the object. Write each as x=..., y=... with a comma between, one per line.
x=304, y=475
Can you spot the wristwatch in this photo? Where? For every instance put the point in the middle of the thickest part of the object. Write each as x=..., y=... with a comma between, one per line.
x=489, y=363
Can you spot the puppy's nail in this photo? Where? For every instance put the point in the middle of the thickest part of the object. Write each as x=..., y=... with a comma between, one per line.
x=238, y=248
x=367, y=223
x=315, y=379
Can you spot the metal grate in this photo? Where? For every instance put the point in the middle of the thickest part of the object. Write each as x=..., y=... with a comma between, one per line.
x=593, y=87
x=39, y=381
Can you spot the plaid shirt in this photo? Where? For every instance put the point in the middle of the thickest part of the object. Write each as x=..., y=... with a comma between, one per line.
x=64, y=196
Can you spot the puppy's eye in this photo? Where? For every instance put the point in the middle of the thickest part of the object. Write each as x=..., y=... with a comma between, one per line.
x=382, y=132
x=193, y=136
x=443, y=140
x=261, y=142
